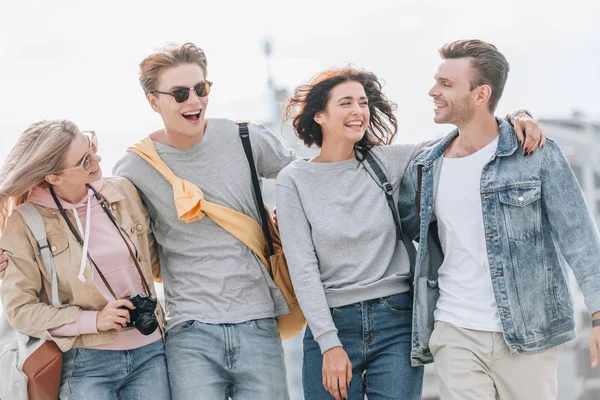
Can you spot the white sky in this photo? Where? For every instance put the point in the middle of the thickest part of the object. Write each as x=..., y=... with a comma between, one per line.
x=79, y=59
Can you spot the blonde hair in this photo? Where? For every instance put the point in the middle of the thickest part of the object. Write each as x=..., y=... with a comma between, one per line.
x=39, y=151
x=166, y=57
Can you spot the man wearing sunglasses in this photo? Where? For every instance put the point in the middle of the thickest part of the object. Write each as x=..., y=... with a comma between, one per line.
x=221, y=335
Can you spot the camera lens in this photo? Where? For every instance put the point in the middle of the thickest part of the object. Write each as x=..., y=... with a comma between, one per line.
x=146, y=323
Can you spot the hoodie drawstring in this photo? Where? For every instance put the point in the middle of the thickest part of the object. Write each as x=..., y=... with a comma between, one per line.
x=86, y=237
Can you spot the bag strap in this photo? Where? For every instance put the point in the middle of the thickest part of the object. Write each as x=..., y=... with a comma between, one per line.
x=376, y=172
x=245, y=136
x=103, y=203
x=36, y=224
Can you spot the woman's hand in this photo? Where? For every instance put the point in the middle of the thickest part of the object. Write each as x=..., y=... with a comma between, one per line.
x=529, y=133
x=112, y=317
x=337, y=372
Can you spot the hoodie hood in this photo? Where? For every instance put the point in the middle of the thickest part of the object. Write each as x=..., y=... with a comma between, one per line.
x=42, y=197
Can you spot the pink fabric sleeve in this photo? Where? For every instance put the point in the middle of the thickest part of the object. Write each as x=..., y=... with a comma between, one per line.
x=85, y=324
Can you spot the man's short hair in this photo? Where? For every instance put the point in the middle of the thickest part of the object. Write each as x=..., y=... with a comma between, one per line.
x=490, y=67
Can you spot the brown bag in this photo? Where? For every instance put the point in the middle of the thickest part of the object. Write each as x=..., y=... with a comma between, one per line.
x=290, y=324
x=43, y=368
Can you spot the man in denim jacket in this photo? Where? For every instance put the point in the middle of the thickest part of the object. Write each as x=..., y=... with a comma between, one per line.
x=497, y=227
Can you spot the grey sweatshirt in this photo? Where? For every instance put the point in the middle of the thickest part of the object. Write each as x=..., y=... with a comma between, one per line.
x=208, y=274
x=339, y=236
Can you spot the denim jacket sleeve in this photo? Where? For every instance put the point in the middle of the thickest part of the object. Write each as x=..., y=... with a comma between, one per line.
x=572, y=225
x=407, y=208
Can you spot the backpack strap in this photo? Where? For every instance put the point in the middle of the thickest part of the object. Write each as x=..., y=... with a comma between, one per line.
x=245, y=136
x=376, y=171
x=36, y=224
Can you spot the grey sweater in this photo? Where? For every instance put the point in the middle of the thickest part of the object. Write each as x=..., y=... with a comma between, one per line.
x=339, y=235
x=208, y=274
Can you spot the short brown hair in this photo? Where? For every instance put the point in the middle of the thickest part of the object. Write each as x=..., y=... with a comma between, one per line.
x=491, y=67
x=312, y=98
x=166, y=57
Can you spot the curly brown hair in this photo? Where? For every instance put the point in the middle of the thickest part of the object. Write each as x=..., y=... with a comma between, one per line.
x=312, y=98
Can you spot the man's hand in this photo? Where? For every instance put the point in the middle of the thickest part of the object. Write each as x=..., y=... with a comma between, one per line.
x=595, y=342
x=3, y=264
x=337, y=372
x=529, y=134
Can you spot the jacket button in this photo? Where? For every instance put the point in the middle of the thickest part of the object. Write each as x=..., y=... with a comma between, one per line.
x=53, y=248
x=139, y=227
x=114, y=206
x=521, y=198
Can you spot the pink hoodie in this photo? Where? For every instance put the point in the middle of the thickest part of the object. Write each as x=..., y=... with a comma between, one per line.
x=111, y=255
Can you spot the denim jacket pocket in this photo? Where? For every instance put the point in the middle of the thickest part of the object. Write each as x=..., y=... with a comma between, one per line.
x=522, y=211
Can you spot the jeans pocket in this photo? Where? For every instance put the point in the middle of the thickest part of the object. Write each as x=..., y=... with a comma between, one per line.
x=398, y=303
x=265, y=325
x=179, y=328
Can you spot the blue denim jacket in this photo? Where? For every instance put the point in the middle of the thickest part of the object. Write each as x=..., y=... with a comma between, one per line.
x=536, y=221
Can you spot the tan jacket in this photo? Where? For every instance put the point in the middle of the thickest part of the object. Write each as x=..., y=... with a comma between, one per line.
x=25, y=291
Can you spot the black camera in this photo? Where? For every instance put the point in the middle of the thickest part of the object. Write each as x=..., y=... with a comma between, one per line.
x=142, y=317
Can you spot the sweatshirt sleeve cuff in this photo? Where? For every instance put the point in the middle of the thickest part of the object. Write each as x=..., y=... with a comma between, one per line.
x=87, y=322
x=592, y=303
x=329, y=341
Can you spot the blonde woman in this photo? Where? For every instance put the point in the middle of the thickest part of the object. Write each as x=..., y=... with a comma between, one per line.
x=105, y=256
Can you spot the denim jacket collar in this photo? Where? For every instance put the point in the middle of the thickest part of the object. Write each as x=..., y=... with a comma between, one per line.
x=507, y=144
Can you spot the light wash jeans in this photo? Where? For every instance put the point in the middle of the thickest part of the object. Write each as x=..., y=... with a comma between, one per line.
x=376, y=336
x=90, y=374
x=217, y=361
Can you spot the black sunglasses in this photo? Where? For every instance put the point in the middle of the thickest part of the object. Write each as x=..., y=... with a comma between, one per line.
x=202, y=89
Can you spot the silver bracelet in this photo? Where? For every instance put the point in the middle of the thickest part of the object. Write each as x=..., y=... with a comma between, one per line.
x=513, y=115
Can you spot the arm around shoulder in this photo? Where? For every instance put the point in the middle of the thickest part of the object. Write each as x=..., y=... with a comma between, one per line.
x=271, y=155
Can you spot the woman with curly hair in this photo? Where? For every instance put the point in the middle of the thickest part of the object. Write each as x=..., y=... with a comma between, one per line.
x=350, y=274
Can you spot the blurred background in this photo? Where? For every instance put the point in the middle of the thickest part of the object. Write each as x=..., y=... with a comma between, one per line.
x=79, y=60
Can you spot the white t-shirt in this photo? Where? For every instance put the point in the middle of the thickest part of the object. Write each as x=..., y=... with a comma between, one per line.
x=466, y=294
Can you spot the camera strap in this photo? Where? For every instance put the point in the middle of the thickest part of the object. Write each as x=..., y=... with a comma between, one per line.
x=75, y=232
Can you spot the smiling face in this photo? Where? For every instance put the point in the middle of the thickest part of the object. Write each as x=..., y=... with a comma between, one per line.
x=454, y=101
x=346, y=116
x=186, y=118
x=76, y=154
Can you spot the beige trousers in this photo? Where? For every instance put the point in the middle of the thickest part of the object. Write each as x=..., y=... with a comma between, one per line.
x=477, y=365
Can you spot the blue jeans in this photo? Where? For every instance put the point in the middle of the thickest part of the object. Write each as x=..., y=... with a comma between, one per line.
x=218, y=361
x=376, y=335
x=92, y=374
